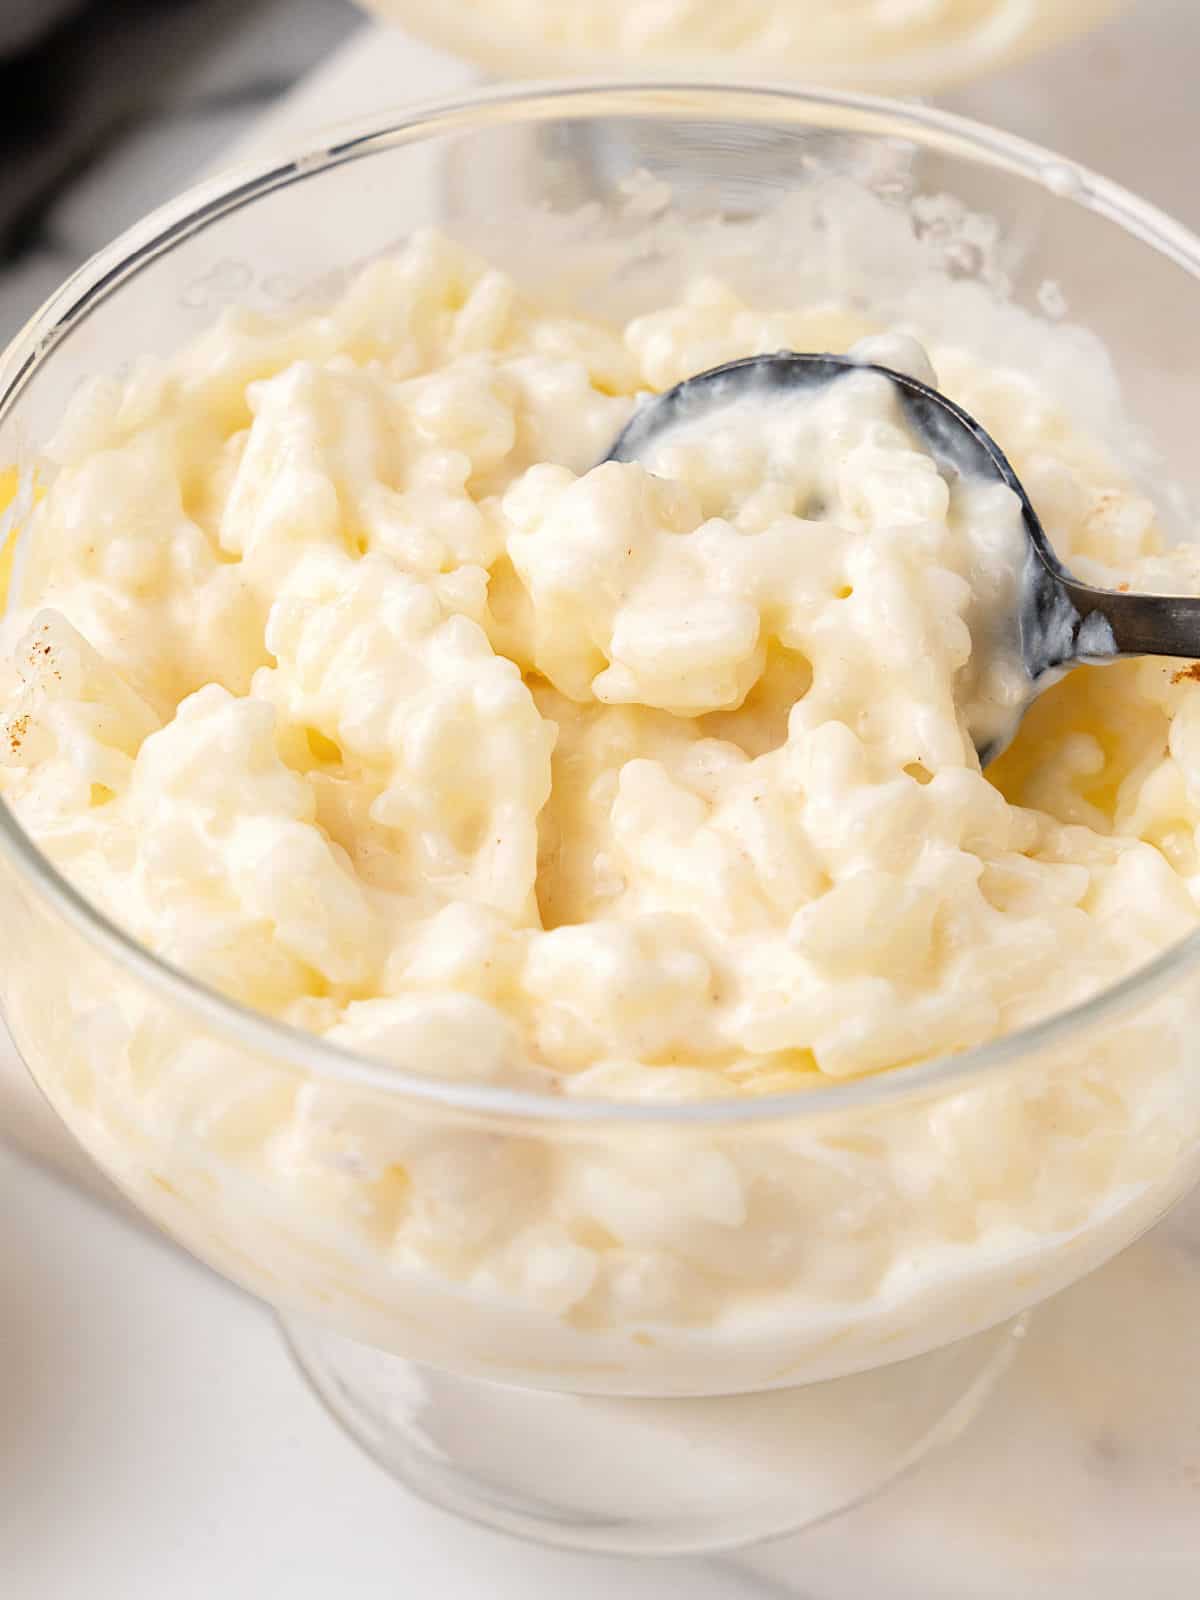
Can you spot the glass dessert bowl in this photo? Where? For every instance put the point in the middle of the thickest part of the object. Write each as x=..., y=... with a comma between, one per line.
x=657, y=1312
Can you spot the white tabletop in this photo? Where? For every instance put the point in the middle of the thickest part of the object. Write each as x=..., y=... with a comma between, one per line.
x=157, y=1443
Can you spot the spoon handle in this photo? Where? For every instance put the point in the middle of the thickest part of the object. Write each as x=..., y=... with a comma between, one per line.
x=1141, y=624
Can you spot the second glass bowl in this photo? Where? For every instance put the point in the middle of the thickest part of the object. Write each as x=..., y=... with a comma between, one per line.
x=844, y=44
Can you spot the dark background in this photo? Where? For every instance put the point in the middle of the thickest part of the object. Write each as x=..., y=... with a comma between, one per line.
x=81, y=81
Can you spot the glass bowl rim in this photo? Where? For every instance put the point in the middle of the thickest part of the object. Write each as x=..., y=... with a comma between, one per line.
x=679, y=100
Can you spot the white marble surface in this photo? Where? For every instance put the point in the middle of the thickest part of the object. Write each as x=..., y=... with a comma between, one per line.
x=149, y=1411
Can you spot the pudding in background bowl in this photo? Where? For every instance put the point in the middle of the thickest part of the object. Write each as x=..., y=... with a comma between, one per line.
x=545, y=923
x=890, y=46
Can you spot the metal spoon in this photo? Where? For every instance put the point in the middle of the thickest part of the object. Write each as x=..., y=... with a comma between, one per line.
x=1062, y=623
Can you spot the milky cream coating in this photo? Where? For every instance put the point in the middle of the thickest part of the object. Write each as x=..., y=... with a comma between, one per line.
x=346, y=680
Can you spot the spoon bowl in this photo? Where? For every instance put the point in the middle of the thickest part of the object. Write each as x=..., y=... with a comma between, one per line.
x=1061, y=623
